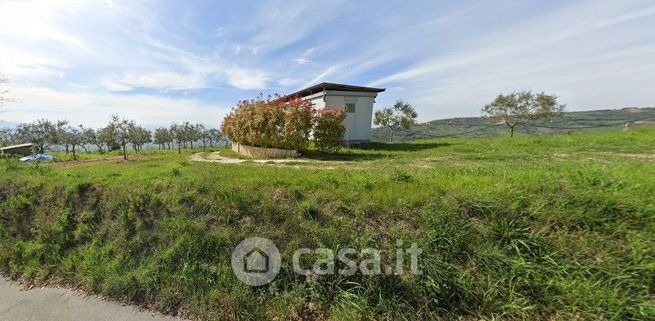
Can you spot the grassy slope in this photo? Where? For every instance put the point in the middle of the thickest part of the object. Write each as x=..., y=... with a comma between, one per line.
x=545, y=227
x=602, y=119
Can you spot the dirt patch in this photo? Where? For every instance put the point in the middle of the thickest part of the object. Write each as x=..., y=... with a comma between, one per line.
x=638, y=156
x=112, y=159
x=216, y=157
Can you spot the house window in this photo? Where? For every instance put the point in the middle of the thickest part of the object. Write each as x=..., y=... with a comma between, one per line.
x=350, y=107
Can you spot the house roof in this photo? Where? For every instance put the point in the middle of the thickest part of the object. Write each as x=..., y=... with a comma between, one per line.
x=333, y=86
x=16, y=146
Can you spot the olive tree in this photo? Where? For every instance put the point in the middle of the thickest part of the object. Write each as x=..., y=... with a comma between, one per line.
x=138, y=136
x=191, y=133
x=178, y=134
x=105, y=138
x=215, y=135
x=399, y=116
x=522, y=107
x=89, y=137
x=42, y=133
x=72, y=136
x=59, y=134
x=117, y=132
x=162, y=137
x=203, y=135
x=6, y=136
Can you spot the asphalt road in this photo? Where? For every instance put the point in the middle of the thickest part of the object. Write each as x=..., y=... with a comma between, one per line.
x=54, y=304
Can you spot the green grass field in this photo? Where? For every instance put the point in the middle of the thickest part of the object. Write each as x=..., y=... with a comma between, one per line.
x=551, y=227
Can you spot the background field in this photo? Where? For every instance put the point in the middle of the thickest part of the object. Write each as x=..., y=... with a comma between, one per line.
x=579, y=121
x=552, y=227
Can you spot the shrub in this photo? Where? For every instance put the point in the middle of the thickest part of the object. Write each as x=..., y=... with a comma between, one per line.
x=12, y=163
x=279, y=122
x=297, y=122
x=329, y=128
x=272, y=122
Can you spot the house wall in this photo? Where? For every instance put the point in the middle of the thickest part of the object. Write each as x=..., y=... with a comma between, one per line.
x=358, y=124
x=262, y=152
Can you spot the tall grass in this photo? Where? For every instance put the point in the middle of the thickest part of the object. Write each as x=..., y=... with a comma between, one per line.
x=531, y=228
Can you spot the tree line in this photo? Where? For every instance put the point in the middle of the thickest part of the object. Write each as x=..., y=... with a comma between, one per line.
x=119, y=134
x=512, y=110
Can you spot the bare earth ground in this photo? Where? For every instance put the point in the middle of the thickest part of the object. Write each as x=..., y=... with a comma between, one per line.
x=216, y=157
x=115, y=159
x=55, y=304
x=428, y=162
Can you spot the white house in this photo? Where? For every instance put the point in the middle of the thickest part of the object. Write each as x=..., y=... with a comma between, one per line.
x=358, y=102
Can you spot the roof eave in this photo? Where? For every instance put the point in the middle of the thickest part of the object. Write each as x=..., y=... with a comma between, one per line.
x=333, y=86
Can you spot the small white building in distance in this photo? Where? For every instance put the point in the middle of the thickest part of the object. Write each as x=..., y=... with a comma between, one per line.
x=358, y=102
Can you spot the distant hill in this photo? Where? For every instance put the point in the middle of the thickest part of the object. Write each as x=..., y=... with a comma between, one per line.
x=569, y=122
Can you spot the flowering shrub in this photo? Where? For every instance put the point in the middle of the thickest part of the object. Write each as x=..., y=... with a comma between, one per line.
x=329, y=128
x=271, y=122
x=298, y=114
x=284, y=123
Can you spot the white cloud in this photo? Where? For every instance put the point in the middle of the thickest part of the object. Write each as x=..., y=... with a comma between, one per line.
x=199, y=70
x=273, y=29
x=588, y=62
x=448, y=60
x=16, y=62
x=247, y=79
x=304, y=58
x=322, y=76
x=94, y=109
x=116, y=85
x=29, y=21
x=159, y=80
x=301, y=60
x=288, y=82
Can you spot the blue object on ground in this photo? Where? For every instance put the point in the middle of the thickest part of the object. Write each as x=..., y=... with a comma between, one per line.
x=39, y=157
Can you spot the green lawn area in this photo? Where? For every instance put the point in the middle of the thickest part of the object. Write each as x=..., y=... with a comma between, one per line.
x=553, y=227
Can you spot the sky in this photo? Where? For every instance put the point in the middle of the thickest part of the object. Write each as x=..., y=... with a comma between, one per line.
x=162, y=61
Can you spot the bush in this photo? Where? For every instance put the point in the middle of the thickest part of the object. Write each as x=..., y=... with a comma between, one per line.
x=12, y=163
x=297, y=123
x=271, y=122
x=329, y=128
x=278, y=122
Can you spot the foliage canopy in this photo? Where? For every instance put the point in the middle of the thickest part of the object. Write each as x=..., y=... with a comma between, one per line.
x=399, y=116
x=521, y=107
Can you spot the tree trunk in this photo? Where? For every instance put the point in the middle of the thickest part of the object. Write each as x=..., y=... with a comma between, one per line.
x=125, y=151
x=511, y=131
x=73, y=150
x=390, y=134
x=179, y=147
x=203, y=146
